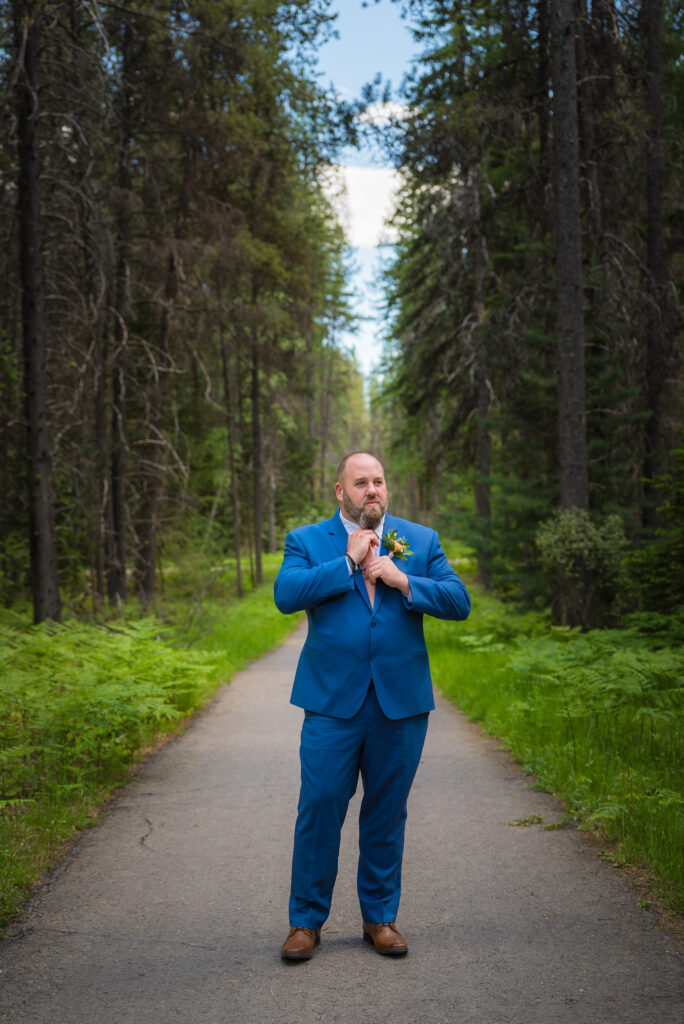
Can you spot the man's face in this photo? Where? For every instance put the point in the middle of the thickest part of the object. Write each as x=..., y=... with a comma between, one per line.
x=362, y=492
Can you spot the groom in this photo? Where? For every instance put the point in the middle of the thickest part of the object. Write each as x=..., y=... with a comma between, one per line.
x=363, y=680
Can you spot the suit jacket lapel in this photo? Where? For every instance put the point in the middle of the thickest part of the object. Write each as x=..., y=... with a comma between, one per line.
x=338, y=533
x=387, y=525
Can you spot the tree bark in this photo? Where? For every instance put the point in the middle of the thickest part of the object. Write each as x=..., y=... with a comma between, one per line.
x=146, y=569
x=271, y=508
x=574, y=486
x=483, y=508
x=656, y=372
x=308, y=333
x=103, y=510
x=586, y=119
x=154, y=472
x=101, y=505
x=234, y=491
x=543, y=119
x=257, y=468
x=116, y=547
x=325, y=392
x=44, y=577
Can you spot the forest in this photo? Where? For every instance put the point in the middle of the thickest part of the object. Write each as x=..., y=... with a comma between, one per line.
x=174, y=391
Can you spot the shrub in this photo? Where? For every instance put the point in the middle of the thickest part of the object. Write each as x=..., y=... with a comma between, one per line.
x=582, y=560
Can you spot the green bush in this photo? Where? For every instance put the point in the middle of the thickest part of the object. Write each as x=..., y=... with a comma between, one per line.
x=582, y=560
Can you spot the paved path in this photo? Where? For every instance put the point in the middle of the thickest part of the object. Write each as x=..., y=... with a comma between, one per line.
x=174, y=909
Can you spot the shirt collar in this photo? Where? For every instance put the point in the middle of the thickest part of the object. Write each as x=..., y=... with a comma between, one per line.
x=352, y=527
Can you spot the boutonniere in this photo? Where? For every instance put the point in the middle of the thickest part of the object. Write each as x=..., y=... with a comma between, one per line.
x=397, y=546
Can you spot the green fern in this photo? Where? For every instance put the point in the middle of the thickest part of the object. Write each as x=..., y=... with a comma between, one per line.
x=79, y=703
x=598, y=717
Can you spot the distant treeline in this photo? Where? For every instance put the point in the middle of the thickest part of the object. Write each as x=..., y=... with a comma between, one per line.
x=534, y=362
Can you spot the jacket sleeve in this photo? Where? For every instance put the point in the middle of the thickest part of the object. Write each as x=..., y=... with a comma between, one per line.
x=440, y=592
x=302, y=584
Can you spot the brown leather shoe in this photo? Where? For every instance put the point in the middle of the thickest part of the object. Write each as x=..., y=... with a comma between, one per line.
x=386, y=938
x=300, y=943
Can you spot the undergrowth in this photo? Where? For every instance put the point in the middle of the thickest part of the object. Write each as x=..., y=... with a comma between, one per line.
x=597, y=717
x=81, y=702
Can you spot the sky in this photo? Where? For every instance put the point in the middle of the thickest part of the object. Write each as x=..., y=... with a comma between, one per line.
x=372, y=39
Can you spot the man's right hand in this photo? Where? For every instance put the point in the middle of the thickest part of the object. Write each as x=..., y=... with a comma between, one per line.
x=360, y=542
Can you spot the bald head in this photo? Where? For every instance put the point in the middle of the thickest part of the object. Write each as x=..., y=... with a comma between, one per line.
x=342, y=468
x=361, y=489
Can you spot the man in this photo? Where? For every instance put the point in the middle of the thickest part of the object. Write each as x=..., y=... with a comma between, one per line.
x=363, y=680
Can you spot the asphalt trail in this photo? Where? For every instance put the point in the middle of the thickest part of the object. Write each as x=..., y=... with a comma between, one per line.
x=174, y=908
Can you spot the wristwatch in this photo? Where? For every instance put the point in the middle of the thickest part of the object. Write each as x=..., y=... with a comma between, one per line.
x=352, y=564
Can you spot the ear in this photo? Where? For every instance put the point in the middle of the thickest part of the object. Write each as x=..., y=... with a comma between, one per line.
x=339, y=491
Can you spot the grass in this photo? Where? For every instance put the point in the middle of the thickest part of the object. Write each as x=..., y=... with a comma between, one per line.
x=82, y=702
x=597, y=718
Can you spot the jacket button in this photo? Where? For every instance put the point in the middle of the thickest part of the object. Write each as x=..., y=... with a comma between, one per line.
x=373, y=623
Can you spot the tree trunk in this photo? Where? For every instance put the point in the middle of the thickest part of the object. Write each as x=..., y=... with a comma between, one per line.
x=308, y=331
x=326, y=388
x=544, y=74
x=45, y=583
x=5, y=434
x=234, y=491
x=271, y=509
x=103, y=509
x=574, y=485
x=116, y=547
x=656, y=371
x=483, y=508
x=153, y=486
x=586, y=119
x=605, y=92
x=146, y=568
x=80, y=74
x=154, y=470
x=101, y=505
x=257, y=469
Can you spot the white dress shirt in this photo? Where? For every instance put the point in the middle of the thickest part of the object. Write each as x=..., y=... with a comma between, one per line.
x=351, y=527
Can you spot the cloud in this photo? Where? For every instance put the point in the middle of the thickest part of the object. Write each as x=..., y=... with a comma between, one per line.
x=364, y=199
x=380, y=114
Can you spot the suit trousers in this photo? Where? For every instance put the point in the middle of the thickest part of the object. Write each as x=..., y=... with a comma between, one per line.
x=385, y=752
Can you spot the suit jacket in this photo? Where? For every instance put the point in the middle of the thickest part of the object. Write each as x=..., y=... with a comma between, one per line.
x=348, y=642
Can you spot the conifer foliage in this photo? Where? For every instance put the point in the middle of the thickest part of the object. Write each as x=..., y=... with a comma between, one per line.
x=175, y=279
x=535, y=308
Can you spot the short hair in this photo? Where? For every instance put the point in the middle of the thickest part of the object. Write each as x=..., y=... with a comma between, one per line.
x=343, y=462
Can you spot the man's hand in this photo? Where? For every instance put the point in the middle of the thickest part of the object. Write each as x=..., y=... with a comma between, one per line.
x=360, y=544
x=385, y=569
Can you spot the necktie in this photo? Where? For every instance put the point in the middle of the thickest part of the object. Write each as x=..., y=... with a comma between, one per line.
x=370, y=587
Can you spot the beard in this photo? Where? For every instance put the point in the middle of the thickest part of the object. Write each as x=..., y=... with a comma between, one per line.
x=367, y=518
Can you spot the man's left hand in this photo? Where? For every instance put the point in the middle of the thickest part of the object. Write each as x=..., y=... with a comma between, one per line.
x=385, y=569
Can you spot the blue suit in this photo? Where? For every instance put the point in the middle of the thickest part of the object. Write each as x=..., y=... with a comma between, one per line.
x=363, y=679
